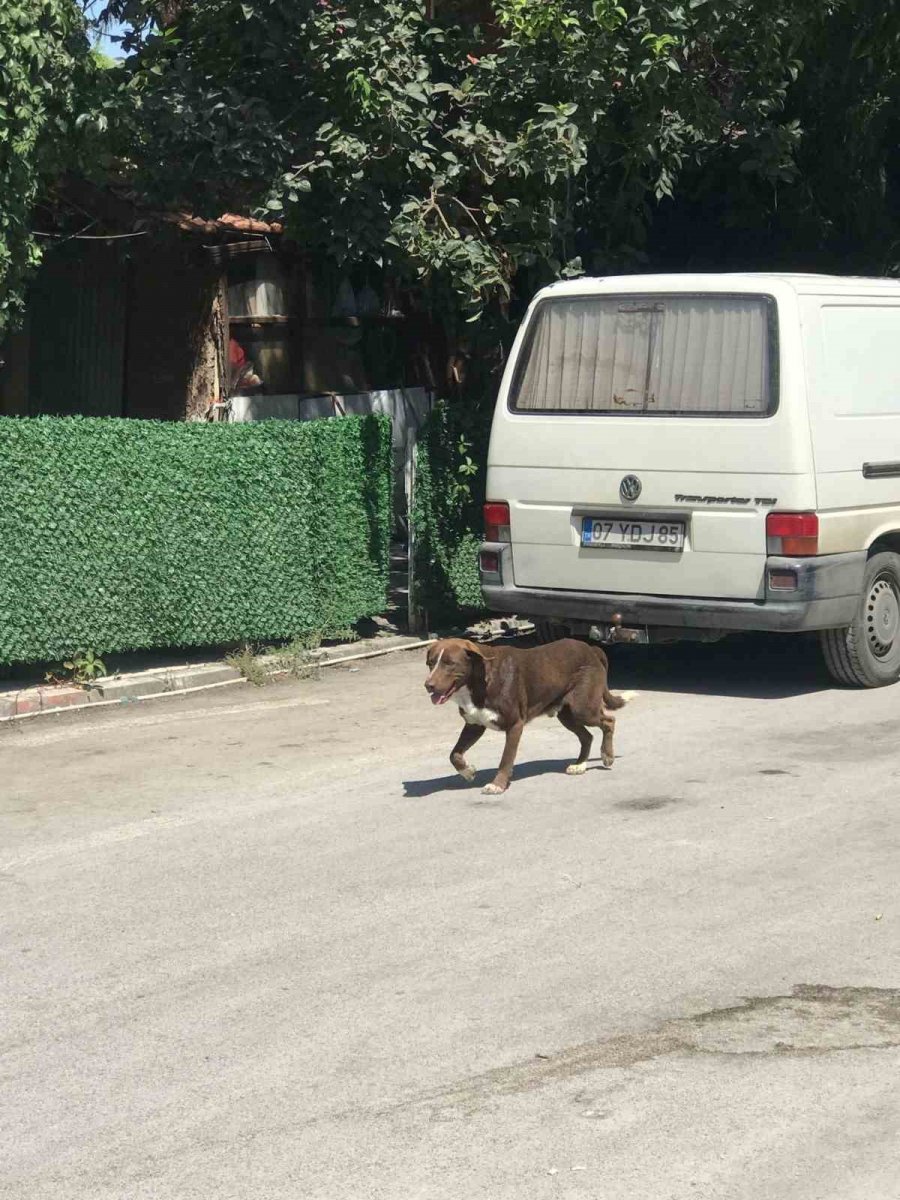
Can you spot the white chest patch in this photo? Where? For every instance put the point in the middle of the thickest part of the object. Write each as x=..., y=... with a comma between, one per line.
x=473, y=715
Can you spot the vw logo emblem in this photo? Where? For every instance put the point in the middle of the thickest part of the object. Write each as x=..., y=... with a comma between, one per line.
x=630, y=488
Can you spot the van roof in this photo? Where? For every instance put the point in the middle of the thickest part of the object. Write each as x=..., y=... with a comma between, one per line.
x=726, y=281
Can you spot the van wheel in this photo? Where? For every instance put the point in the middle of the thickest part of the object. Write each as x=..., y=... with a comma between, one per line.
x=867, y=652
x=549, y=631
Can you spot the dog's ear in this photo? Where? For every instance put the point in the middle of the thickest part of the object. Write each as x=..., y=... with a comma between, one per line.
x=477, y=651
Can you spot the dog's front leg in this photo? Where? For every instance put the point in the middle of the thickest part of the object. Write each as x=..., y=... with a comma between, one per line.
x=504, y=772
x=467, y=739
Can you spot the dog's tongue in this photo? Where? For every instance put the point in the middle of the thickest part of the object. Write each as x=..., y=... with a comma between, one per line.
x=440, y=699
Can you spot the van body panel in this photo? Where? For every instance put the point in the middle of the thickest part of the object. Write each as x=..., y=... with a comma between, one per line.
x=776, y=445
x=852, y=345
x=732, y=576
x=845, y=527
x=725, y=547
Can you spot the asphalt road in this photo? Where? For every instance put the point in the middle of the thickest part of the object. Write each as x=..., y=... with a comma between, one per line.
x=260, y=944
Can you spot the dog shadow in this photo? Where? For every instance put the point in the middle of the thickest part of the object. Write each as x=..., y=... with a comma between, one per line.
x=419, y=788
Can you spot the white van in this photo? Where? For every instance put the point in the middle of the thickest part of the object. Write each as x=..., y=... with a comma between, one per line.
x=691, y=455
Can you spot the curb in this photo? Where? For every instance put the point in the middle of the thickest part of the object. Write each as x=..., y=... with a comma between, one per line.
x=173, y=681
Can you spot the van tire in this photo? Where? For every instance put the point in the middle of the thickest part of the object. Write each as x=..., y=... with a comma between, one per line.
x=549, y=631
x=867, y=653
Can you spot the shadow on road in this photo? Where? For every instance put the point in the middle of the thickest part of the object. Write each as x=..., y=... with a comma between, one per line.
x=752, y=666
x=418, y=788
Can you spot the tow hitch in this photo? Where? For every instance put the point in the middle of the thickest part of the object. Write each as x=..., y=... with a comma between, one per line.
x=615, y=632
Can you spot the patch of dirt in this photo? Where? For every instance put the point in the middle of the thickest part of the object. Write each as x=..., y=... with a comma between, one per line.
x=648, y=803
x=813, y=1019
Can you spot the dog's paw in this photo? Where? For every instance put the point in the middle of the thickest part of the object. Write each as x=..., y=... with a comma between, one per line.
x=608, y=760
x=467, y=773
x=576, y=768
x=492, y=789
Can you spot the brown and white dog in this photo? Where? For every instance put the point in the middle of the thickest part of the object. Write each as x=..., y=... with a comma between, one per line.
x=504, y=687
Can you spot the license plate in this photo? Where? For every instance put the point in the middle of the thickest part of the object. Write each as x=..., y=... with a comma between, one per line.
x=606, y=533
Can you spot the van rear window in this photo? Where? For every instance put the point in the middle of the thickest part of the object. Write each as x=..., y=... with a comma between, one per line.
x=711, y=355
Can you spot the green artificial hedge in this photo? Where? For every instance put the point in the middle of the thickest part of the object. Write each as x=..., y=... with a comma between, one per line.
x=120, y=534
x=447, y=514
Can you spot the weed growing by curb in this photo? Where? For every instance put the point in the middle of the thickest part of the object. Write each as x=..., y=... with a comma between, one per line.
x=247, y=662
x=298, y=659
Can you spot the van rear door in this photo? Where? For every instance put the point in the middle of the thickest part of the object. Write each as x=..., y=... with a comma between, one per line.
x=643, y=441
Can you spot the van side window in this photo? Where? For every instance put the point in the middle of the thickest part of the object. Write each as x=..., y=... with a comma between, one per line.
x=646, y=355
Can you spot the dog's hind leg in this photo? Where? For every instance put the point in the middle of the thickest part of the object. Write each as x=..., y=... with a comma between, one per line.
x=600, y=718
x=607, y=754
x=467, y=739
x=566, y=718
x=586, y=705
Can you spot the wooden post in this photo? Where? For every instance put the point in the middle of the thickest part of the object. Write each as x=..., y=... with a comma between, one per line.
x=418, y=621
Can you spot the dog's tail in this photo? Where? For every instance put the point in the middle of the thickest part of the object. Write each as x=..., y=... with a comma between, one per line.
x=611, y=700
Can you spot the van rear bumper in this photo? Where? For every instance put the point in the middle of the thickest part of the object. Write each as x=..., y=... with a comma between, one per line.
x=826, y=597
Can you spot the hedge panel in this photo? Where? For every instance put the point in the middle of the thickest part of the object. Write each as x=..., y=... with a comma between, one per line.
x=119, y=534
x=447, y=516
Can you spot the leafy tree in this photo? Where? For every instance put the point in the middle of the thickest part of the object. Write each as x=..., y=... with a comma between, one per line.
x=46, y=67
x=382, y=135
x=562, y=141
x=817, y=187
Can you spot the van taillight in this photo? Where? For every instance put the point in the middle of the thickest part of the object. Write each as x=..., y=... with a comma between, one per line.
x=496, y=522
x=794, y=535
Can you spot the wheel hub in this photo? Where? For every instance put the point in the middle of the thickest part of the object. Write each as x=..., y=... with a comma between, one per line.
x=882, y=617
